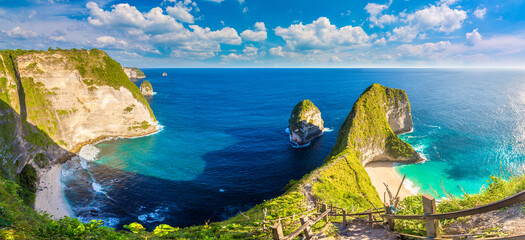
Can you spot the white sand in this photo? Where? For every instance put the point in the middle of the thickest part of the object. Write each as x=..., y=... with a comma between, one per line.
x=49, y=196
x=384, y=172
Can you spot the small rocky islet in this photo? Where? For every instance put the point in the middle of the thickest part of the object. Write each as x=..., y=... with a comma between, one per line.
x=305, y=123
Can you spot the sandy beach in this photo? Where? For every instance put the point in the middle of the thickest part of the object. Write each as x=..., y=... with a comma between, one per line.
x=49, y=195
x=380, y=172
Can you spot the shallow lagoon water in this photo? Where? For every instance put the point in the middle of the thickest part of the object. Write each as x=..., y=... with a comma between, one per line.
x=224, y=148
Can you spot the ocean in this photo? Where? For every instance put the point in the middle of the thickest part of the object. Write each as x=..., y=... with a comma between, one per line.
x=223, y=147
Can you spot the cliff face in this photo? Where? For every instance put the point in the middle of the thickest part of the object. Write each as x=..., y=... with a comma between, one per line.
x=371, y=127
x=368, y=134
x=54, y=102
x=305, y=123
x=134, y=73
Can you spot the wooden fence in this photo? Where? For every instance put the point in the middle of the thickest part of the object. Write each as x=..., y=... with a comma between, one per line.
x=431, y=216
x=324, y=213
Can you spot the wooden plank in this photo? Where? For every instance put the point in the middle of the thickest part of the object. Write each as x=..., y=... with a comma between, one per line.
x=277, y=231
x=307, y=224
x=517, y=198
x=357, y=214
x=429, y=207
x=307, y=232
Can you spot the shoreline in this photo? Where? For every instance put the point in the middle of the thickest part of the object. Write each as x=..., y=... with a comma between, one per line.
x=384, y=172
x=49, y=195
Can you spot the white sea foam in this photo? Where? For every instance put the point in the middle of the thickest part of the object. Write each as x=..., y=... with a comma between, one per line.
x=409, y=185
x=88, y=152
x=328, y=130
x=222, y=190
x=287, y=130
x=97, y=187
x=295, y=145
x=156, y=216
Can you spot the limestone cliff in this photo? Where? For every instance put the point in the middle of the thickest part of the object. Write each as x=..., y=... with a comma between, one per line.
x=305, y=123
x=134, y=73
x=146, y=89
x=53, y=102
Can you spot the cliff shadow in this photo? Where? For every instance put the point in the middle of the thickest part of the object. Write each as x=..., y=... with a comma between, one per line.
x=234, y=179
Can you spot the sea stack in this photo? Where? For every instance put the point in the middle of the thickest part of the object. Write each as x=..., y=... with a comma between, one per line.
x=305, y=123
x=146, y=89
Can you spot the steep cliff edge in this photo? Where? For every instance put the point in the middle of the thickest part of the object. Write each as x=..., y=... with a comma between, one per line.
x=305, y=122
x=53, y=102
x=134, y=73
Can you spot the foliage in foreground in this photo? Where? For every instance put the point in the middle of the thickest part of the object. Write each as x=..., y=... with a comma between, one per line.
x=498, y=188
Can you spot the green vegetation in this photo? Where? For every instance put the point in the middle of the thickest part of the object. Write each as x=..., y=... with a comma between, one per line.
x=40, y=160
x=498, y=188
x=146, y=85
x=129, y=108
x=139, y=72
x=27, y=180
x=299, y=111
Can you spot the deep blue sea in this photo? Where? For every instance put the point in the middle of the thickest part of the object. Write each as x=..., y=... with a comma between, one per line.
x=223, y=148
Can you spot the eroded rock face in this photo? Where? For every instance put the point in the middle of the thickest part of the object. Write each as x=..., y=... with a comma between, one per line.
x=134, y=73
x=146, y=89
x=53, y=109
x=305, y=123
x=372, y=126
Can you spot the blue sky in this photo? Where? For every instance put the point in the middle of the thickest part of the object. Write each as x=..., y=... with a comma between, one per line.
x=275, y=33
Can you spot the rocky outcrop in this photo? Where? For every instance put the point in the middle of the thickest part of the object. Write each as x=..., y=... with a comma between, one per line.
x=134, y=73
x=367, y=135
x=146, y=89
x=305, y=123
x=52, y=103
x=371, y=127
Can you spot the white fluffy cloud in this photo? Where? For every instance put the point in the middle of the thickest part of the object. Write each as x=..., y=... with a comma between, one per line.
x=125, y=16
x=163, y=30
x=473, y=37
x=378, y=19
x=403, y=34
x=181, y=12
x=277, y=51
x=20, y=33
x=440, y=18
x=109, y=41
x=320, y=34
x=255, y=36
x=422, y=50
x=480, y=12
x=248, y=53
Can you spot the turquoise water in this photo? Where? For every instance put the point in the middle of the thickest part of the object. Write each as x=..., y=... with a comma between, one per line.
x=223, y=148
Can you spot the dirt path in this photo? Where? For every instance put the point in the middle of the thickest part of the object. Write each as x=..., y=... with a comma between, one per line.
x=362, y=231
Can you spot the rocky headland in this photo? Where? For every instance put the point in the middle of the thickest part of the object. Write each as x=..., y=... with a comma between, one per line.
x=54, y=102
x=134, y=73
x=305, y=123
x=146, y=89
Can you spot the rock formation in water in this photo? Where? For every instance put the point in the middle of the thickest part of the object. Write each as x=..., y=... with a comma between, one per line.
x=134, y=73
x=54, y=102
x=305, y=123
x=146, y=89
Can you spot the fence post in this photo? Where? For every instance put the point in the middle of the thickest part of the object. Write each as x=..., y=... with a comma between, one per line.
x=307, y=232
x=370, y=220
x=429, y=207
x=277, y=231
x=324, y=208
x=344, y=217
x=391, y=223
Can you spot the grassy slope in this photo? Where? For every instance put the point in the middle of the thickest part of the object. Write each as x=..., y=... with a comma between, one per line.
x=498, y=188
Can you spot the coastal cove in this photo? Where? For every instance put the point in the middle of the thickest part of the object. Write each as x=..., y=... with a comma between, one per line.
x=224, y=147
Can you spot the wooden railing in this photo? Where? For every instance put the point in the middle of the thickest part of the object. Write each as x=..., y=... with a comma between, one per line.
x=431, y=216
x=324, y=213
